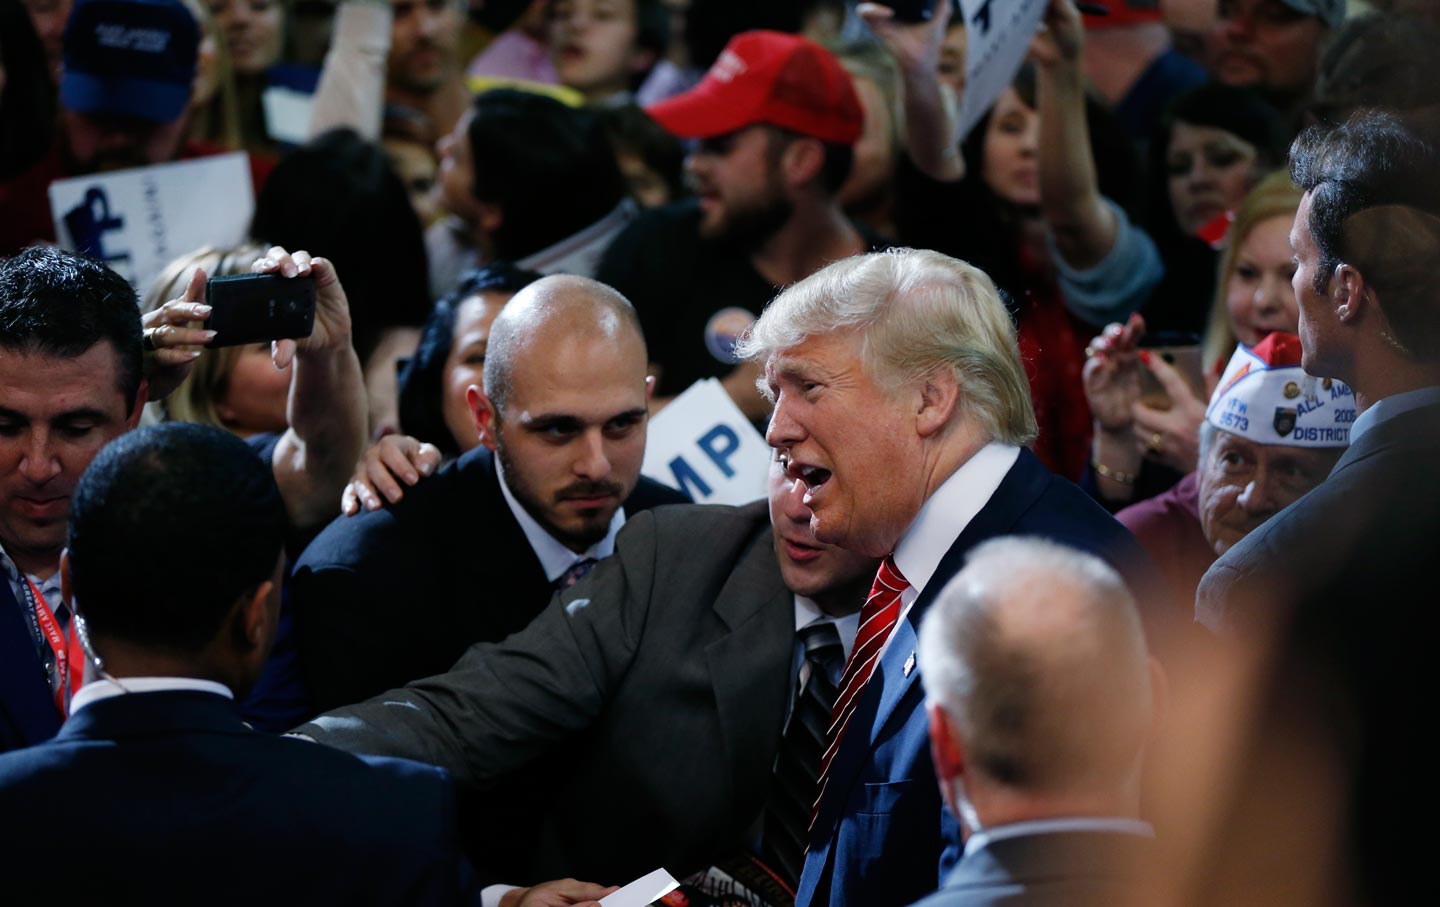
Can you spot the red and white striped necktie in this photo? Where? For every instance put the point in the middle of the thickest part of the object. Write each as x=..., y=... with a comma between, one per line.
x=877, y=619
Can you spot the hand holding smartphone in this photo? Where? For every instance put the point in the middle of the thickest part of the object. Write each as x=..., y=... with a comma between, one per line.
x=1183, y=357
x=256, y=308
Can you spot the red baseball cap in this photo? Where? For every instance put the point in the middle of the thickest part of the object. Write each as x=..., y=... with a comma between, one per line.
x=1125, y=12
x=768, y=77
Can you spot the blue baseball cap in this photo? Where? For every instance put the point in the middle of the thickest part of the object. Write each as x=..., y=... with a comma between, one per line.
x=130, y=58
x=1331, y=12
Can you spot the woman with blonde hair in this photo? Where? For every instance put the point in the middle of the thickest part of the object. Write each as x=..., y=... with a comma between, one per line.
x=1253, y=298
x=214, y=104
x=236, y=388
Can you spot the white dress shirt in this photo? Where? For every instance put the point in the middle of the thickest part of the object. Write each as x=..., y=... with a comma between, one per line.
x=945, y=515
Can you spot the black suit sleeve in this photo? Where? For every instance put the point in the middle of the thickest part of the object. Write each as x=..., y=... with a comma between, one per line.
x=363, y=625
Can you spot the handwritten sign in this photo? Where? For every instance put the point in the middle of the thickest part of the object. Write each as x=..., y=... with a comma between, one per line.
x=703, y=445
x=137, y=221
x=998, y=35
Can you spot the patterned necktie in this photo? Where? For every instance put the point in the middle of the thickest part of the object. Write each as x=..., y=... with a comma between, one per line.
x=797, y=767
x=877, y=619
x=575, y=573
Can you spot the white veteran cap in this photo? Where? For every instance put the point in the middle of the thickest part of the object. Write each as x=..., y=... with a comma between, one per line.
x=1264, y=396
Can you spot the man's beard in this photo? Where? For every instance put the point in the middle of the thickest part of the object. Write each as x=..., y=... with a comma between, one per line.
x=403, y=78
x=747, y=229
x=530, y=499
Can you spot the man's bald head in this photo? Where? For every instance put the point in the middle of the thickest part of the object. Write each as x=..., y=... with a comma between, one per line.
x=565, y=403
x=1036, y=654
x=550, y=315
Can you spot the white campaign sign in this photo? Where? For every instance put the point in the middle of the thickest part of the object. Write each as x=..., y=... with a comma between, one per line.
x=703, y=445
x=138, y=220
x=998, y=34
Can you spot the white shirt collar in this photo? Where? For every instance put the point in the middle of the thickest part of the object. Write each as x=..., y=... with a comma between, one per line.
x=948, y=511
x=554, y=557
x=1113, y=825
x=105, y=689
x=807, y=613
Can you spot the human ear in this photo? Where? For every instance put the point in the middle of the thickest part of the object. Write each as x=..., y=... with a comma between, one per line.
x=484, y=414
x=803, y=161
x=1348, y=292
x=938, y=398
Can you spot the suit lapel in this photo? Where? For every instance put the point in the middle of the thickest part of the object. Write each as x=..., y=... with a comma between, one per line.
x=749, y=666
x=887, y=688
x=502, y=585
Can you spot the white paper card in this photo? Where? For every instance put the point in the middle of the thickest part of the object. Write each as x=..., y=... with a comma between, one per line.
x=703, y=445
x=643, y=891
x=287, y=114
x=998, y=34
x=138, y=220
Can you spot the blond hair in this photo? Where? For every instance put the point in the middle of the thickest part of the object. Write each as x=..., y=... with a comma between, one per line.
x=1274, y=196
x=196, y=398
x=917, y=312
x=214, y=107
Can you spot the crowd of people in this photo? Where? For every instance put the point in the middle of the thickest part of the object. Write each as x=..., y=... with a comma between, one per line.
x=1095, y=521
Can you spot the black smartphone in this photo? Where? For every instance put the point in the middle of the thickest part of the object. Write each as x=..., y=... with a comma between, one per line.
x=919, y=10
x=253, y=308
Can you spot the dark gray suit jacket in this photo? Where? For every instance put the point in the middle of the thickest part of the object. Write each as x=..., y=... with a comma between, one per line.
x=657, y=688
x=1345, y=578
x=1062, y=869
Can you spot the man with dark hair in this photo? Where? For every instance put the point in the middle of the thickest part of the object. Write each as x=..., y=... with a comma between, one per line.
x=529, y=180
x=1337, y=577
x=486, y=541
x=71, y=359
x=776, y=118
x=1041, y=698
x=604, y=48
x=70, y=381
x=155, y=752
x=1273, y=45
x=423, y=69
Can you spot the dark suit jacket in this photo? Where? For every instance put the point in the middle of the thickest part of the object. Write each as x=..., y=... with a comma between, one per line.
x=169, y=798
x=391, y=596
x=1346, y=578
x=661, y=681
x=1064, y=869
x=27, y=709
x=882, y=835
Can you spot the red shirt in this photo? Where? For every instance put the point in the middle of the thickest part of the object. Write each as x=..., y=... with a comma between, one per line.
x=1052, y=347
x=1168, y=528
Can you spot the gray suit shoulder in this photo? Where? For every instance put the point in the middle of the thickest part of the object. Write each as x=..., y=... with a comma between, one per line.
x=697, y=520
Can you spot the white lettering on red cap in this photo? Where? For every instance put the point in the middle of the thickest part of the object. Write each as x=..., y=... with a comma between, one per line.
x=728, y=66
